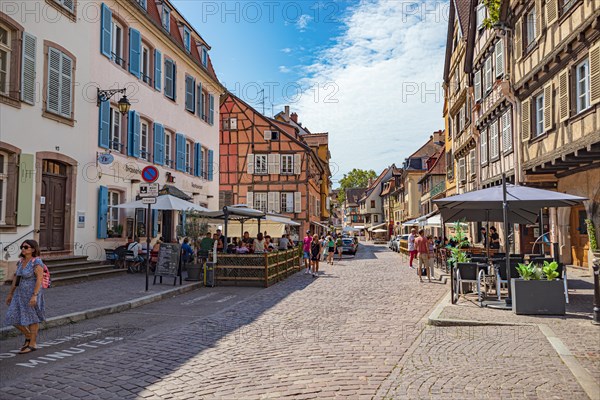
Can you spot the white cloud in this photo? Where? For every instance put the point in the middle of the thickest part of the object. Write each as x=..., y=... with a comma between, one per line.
x=303, y=21
x=286, y=50
x=284, y=70
x=379, y=86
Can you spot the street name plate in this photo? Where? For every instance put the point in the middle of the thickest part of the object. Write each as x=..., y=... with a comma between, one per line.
x=149, y=200
x=148, y=190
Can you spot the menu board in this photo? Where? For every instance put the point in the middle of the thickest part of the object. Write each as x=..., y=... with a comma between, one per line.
x=168, y=260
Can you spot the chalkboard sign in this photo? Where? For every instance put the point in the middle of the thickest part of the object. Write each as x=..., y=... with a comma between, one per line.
x=168, y=261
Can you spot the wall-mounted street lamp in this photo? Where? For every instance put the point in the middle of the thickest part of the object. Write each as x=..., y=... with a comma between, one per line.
x=105, y=95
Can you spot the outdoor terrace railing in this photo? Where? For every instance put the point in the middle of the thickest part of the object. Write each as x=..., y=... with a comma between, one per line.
x=439, y=188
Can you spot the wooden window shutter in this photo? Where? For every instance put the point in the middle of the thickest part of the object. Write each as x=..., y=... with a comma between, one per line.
x=271, y=200
x=190, y=90
x=211, y=165
x=104, y=125
x=53, y=97
x=494, y=140
x=66, y=86
x=159, y=144
x=135, y=52
x=500, y=59
x=507, y=130
x=484, y=146
x=539, y=19
x=526, y=120
x=489, y=74
x=106, y=31
x=274, y=164
x=250, y=163
x=28, y=69
x=548, y=111
x=563, y=95
x=551, y=12
x=297, y=202
x=102, y=228
x=277, y=202
x=157, y=69
x=477, y=84
x=595, y=74
x=250, y=199
x=518, y=43
x=297, y=164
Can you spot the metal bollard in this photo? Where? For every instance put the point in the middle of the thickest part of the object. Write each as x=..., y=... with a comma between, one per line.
x=596, y=315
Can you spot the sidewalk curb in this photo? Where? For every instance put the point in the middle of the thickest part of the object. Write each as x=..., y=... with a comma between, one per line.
x=106, y=310
x=583, y=377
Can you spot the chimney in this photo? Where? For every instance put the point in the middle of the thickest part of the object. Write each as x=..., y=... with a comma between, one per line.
x=294, y=117
x=287, y=111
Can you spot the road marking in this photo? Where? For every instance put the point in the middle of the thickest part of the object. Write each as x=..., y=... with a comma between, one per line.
x=194, y=300
x=226, y=298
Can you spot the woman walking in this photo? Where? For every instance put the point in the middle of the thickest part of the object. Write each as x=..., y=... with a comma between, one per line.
x=25, y=300
x=315, y=254
x=330, y=249
x=338, y=246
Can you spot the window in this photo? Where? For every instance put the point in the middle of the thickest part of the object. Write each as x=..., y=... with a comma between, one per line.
x=204, y=165
x=376, y=218
x=117, y=43
x=539, y=115
x=472, y=163
x=187, y=39
x=5, y=57
x=170, y=76
x=494, y=148
x=489, y=74
x=166, y=17
x=146, y=65
x=507, y=141
x=144, y=155
x=449, y=167
x=188, y=157
x=318, y=207
x=168, y=151
x=59, y=99
x=112, y=219
x=481, y=15
x=530, y=28
x=287, y=164
x=567, y=5
x=204, y=56
x=260, y=164
x=372, y=203
x=287, y=202
x=3, y=180
x=582, y=75
x=142, y=3
x=68, y=4
x=461, y=119
x=190, y=94
x=260, y=201
x=462, y=175
x=115, y=129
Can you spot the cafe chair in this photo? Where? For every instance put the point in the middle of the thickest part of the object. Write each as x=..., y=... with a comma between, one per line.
x=469, y=273
x=131, y=263
x=501, y=276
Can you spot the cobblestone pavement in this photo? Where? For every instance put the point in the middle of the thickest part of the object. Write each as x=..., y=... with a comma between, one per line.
x=574, y=329
x=355, y=332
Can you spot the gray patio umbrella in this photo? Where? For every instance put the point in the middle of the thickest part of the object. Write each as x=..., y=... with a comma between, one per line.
x=507, y=203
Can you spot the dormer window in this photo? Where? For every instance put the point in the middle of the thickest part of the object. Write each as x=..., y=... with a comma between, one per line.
x=142, y=3
x=166, y=17
x=204, y=56
x=187, y=38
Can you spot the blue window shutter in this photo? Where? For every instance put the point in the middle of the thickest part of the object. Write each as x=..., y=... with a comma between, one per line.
x=144, y=5
x=201, y=162
x=133, y=135
x=200, y=106
x=135, y=52
x=190, y=86
x=180, y=152
x=168, y=78
x=211, y=111
x=104, y=125
x=102, y=212
x=154, y=223
x=183, y=222
x=197, y=158
x=157, y=69
x=159, y=144
x=174, y=81
x=210, y=165
x=106, y=31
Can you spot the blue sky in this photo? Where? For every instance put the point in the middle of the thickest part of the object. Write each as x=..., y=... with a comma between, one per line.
x=368, y=72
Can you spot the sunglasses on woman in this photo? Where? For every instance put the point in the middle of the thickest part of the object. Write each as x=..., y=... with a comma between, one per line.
x=25, y=247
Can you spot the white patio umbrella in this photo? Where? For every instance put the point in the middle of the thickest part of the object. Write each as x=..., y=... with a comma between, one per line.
x=378, y=230
x=164, y=202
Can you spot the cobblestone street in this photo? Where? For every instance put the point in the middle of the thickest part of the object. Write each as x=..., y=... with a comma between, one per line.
x=358, y=331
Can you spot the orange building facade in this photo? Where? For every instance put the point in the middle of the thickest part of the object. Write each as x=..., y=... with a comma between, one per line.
x=265, y=164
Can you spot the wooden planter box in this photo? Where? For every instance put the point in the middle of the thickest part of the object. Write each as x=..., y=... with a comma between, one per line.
x=538, y=297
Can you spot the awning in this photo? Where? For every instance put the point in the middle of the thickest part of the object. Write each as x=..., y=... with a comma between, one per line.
x=281, y=219
x=320, y=224
x=411, y=222
x=376, y=226
x=359, y=227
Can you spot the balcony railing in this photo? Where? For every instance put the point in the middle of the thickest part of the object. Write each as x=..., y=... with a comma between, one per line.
x=439, y=188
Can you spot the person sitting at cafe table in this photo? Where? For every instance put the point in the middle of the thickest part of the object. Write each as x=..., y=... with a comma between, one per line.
x=284, y=242
x=247, y=239
x=186, y=251
x=494, y=238
x=259, y=243
x=242, y=248
x=219, y=242
x=232, y=246
x=269, y=246
x=206, y=245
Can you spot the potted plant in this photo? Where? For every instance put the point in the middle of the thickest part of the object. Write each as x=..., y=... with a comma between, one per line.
x=195, y=228
x=538, y=291
x=594, y=252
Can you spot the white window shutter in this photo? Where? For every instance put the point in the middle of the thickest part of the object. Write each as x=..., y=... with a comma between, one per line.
x=477, y=84
x=66, y=86
x=494, y=140
x=595, y=74
x=268, y=135
x=277, y=202
x=489, y=74
x=28, y=69
x=539, y=18
x=507, y=130
x=563, y=95
x=273, y=167
x=484, y=146
x=297, y=164
x=250, y=199
x=297, y=202
x=548, y=110
x=271, y=202
x=519, y=39
x=551, y=12
x=250, y=165
x=526, y=120
x=500, y=59
x=54, y=75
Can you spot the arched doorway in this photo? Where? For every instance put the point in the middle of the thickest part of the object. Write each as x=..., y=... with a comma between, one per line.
x=53, y=209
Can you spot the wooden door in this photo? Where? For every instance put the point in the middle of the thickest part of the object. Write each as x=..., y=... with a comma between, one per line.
x=579, y=237
x=52, y=209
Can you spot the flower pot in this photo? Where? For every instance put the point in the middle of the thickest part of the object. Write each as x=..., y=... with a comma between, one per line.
x=194, y=272
x=541, y=297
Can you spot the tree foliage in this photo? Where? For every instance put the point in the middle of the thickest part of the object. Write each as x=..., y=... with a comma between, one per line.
x=493, y=8
x=357, y=178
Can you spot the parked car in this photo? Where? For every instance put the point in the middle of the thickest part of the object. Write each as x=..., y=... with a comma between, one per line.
x=402, y=242
x=349, y=246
